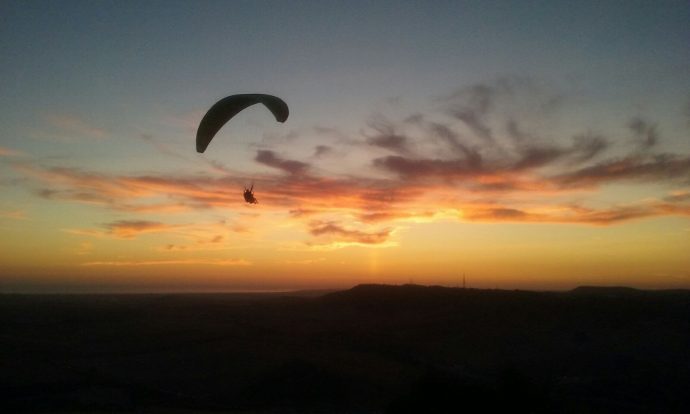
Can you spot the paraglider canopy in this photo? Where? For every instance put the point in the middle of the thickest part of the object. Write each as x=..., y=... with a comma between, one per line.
x=225, y=109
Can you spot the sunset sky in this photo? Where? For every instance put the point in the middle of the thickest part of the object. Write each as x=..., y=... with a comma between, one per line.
x=542, y=145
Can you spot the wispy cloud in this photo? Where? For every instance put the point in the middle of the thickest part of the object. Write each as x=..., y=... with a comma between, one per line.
x=125, y=229
x=84, y=248
x=74, y=126
x=210, y=235
x=574, y=214
x=128, y=229
x=306, y=262
x=339, y=233
x=472, y=105
x=188, y=121
x=678, y=196
x=7, y=152
x=645, y=134
x=488, y=152
x=13, y=214
x=270, y=159
x=162, y=148
x=661, y=167
x=322, y=150
x=188, y=262
x=199, y=238
x=385, y=136
x=144, y=193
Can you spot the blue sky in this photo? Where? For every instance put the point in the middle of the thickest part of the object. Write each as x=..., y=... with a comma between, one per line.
x=91, y=56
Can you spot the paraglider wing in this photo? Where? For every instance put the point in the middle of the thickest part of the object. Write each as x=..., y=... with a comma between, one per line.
x=223, y=111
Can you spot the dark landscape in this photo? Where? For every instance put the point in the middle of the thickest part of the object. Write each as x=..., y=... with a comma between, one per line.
x=370, y=349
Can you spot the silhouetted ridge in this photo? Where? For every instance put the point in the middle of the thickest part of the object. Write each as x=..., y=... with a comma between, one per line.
x=416, y=299
x=366, y=292
x=390, y=293
x=369, y=349
x=609, y=291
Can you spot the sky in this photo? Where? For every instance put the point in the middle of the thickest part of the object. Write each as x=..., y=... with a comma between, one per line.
x=518, y=145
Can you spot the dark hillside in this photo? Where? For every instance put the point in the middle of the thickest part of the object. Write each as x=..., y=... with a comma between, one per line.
x=373, y=348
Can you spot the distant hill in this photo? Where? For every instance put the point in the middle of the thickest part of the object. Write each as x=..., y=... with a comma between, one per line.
x=364, y=292
x=624, y=291
x=611, y=291
x=400, y=291
x=420, y=294
x=368, y=349
x=407, y=291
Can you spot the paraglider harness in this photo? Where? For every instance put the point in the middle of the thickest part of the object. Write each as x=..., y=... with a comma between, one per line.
x=249, y=195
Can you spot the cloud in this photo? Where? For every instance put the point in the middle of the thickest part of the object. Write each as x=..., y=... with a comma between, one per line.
x=201, y=243
x=341, y=234
x=186, y=262
x=396, y=143
x=306, y=261
x=393, y=214
x=583, y=148
x=493, y=151
x=271, y=139
x=525, y=157
x=302, y=212
x=587, y=146
x=573, y=214
x=128, y=229
x=84, y=249
x=614, y=214
x=198, y=236
x=537, y=156
x=418, y=168
x=172, y=194
x=452, y=138
x=499, y=214
x=270, y=159
x=162, y=148
x=662, y=167
x=322, y=150
x=471, y=106
x=386, y=137
x=623, y=213
x=74, y=126
x=125, y=229
x=7, y=152
x=490, y=141
x=645, y=134
x=143, y=193
x=188, y=121
x=14, y=214
x=678, y=196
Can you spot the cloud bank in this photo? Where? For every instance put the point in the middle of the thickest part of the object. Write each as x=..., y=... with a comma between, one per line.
x=490, y=152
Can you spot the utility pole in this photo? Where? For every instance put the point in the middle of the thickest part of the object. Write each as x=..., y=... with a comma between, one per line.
x=463, y=280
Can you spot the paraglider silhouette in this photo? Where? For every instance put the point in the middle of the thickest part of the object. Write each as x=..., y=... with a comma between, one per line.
x=249, y=195
x=224, y=110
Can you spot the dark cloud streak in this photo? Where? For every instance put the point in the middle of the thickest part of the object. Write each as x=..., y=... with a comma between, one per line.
x=342, y=234
x=270, y=159
x=646, y=134
x=663, y=167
